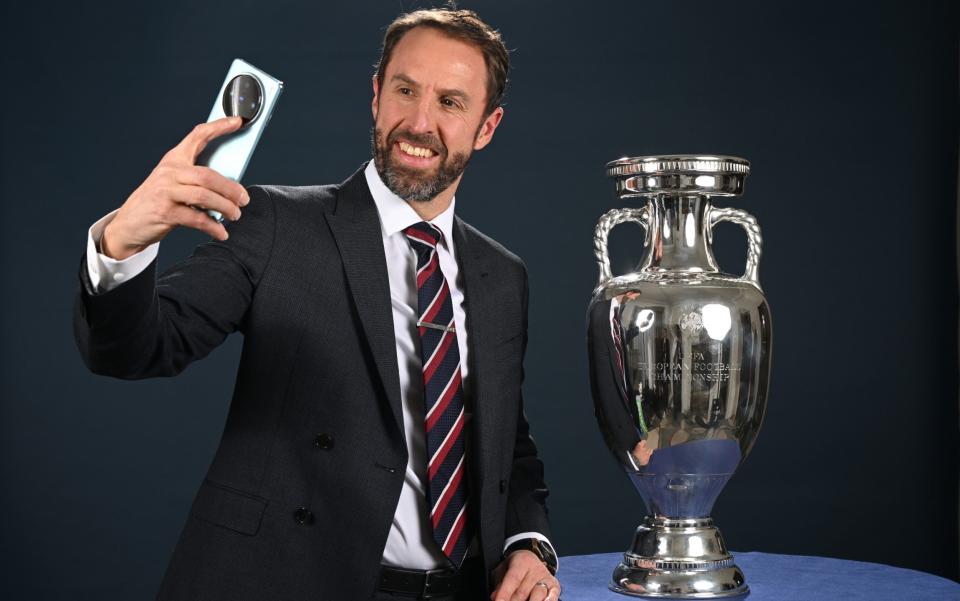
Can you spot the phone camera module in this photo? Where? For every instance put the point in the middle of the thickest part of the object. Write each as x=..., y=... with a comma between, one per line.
x=243, y=98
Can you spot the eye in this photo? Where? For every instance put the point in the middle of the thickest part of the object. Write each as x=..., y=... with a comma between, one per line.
x=450, y=103
x=405, y=91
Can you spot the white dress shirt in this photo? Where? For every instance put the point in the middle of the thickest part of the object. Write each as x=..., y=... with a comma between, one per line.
x=410, y=543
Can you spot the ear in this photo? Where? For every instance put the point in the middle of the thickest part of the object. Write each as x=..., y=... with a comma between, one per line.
x=489, y=125
x=375, y=104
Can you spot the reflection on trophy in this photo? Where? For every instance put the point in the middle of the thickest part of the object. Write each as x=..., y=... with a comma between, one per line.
x=679, y=369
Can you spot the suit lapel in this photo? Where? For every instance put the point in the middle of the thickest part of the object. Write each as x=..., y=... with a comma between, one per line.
x=356, y=228
x=481, y=313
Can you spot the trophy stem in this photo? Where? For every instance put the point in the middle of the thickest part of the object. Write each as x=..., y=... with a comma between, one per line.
x=678, y=559
x=679, y=235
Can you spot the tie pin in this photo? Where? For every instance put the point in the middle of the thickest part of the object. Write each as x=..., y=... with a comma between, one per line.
x=436, y=326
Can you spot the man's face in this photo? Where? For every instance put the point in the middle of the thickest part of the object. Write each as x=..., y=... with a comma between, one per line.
x=429, y=114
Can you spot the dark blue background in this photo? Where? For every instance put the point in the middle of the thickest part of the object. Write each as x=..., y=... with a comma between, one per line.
x=847, y=110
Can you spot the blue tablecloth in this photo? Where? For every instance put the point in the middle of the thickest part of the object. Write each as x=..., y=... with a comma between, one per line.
x=778, y=578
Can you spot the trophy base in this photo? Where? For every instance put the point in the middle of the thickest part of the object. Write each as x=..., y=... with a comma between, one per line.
x=678, y=559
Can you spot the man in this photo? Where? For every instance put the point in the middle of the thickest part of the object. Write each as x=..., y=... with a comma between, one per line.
x=376, y=445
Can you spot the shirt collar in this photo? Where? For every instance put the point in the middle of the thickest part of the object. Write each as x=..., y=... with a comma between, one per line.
x=396, y=214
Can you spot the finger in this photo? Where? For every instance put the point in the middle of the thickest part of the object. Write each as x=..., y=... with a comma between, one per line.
x=549, y=592
x=199, y=197
x=201, y=135
x=508, y=586
x=539, y=593
x=198, y=220
x=208, y=178
x=525, y=588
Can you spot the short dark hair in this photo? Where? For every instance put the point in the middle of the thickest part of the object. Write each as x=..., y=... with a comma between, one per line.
x=459, y=24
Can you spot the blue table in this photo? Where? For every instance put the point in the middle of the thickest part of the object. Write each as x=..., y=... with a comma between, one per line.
x=778, y=578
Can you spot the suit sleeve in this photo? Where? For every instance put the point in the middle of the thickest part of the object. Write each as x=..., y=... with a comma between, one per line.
x=526, y=502
x=149, y=326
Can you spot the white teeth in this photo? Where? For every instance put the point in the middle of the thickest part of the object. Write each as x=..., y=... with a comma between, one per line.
x=415, y=150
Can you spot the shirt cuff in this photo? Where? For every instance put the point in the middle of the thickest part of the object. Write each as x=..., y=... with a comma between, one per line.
x=536, y=535
x=106, y=273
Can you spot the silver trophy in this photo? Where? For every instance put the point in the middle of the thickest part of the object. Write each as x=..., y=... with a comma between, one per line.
x=679, y=369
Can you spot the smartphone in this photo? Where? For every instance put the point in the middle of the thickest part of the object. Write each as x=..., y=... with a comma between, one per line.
x=251, y=94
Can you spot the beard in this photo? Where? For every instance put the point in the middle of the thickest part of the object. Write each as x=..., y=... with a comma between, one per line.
x=414, y=185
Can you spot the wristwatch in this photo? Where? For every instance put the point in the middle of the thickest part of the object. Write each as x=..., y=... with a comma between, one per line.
x=541, y=549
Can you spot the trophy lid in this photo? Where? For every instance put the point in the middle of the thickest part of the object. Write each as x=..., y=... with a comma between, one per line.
x=681, y=174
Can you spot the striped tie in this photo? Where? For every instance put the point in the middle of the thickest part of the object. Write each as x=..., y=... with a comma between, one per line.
x=443, y=396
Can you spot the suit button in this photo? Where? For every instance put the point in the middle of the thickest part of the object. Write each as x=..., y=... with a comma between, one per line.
x=323, y=441
x=303, y=516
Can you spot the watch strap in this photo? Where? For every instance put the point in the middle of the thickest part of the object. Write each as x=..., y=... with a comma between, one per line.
x=541, y=548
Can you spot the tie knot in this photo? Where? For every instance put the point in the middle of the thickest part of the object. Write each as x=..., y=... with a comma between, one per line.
x=424, y=233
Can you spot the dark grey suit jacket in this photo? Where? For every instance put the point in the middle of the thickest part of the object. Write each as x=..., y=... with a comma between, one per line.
x=298, y=501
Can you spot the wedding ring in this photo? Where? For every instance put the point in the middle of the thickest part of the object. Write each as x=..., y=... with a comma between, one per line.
x=543, y=584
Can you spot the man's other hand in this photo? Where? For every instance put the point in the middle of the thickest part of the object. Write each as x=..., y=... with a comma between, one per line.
x=523, y=577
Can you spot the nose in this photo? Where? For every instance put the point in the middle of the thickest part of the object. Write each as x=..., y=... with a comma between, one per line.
x=421, y=121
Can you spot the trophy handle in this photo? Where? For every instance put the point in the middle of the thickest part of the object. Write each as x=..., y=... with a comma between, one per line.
x=610, y=219
x=754, y=239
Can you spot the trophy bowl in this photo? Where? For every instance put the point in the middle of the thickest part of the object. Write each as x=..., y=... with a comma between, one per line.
x=679, y=357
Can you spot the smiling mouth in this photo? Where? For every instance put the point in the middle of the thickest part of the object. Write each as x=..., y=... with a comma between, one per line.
x=415, y=151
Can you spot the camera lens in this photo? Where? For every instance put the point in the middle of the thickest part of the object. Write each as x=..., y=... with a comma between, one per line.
x=242, y=97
